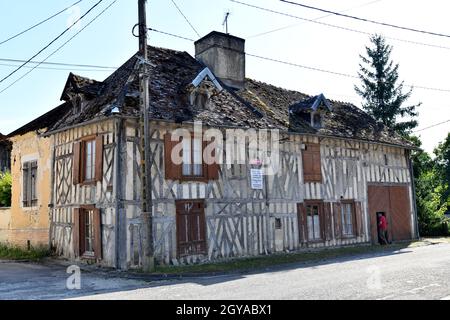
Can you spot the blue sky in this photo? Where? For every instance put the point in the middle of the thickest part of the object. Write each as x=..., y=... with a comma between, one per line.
x=108, y=42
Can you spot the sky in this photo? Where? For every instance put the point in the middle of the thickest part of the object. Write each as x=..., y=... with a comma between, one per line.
x=108, y=41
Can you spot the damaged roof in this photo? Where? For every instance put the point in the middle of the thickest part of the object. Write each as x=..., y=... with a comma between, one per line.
x=258, y=105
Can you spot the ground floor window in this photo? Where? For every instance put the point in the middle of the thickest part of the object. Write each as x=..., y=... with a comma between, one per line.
x=313, y=222
x=347, y=218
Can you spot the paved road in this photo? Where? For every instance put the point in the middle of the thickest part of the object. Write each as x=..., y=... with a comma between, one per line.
x=411, y=273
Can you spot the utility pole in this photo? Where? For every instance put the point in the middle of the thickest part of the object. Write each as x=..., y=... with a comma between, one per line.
x=225, y=21
x=148, y=261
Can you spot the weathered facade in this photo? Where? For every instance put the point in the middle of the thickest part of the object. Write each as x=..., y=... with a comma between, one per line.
x=335, y=163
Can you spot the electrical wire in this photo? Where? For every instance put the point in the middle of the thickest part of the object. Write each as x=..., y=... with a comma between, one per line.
x=59, y=64
x=185, y=18
x=315, y=19
x=51, y=42
x=368, y=20
x=338, y=27
x=39, y=23
x=432, y=126
x=54, y=68
x=59, y=48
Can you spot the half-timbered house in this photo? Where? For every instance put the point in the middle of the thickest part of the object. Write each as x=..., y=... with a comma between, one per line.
x=337, y=167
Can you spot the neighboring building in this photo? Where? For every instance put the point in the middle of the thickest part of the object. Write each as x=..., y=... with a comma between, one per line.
x=5, y=154
x=31, y=189
x=338, y=166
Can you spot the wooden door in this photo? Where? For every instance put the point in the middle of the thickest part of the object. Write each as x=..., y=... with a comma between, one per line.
x=400, y=213
x=394, y=201
x=191, y=227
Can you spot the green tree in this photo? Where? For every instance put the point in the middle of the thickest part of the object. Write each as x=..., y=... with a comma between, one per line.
x=5, y=189
x=383, y=96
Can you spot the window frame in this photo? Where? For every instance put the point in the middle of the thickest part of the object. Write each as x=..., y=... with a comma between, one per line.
x=29, y=183
x=83, y=155
x=350, y=202
x=191, y=177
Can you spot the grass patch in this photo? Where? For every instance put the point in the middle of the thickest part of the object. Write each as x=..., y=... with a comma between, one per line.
x=17, y=253
x=260, y=262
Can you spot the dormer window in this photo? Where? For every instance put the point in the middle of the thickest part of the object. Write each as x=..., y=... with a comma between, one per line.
x=77, y=103
x=316, y=120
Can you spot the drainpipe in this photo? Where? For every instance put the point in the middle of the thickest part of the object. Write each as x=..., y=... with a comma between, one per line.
x=117, y=186
x=413, y=190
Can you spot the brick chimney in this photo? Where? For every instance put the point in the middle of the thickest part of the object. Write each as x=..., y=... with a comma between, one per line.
x=224, y=55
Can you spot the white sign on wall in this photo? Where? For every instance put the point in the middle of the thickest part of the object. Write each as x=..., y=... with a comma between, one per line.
x=256, y=176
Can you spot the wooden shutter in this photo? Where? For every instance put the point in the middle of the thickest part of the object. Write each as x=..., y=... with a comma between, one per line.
x=26, y=184
x=172, y=171
x=302, y=227
x=311, y=163
x=76, y=163
x=191, y=227
x=337, y=220
x=97, y=233
x=358, y=219
x=99, y=158
x=76, y=232
x=213, y=168
x=328, y=220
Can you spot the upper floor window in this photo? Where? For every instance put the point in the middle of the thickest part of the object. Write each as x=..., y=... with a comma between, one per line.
x=88, y=160
x=311, y=163
x=192, y=157
x=29, y=197
x=316, y=119
x=193, y=165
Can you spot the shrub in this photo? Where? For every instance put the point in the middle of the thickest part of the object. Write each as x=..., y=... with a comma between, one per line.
x=5, y=189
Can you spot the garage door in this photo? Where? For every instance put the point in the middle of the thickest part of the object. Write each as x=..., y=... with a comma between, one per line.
x=394, y=202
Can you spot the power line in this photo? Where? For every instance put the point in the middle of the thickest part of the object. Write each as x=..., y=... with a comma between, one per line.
x=60, y=47
x=318, y=18
x=185, y=18
x=338, y=27
x=432, y=126
x=58, y=64
x=54, y=68
x=304, y=66
x=368, y=20
x=39, y=23
x=51, y=42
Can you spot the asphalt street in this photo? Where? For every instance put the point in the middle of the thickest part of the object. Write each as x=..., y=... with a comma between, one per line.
x=410, y=273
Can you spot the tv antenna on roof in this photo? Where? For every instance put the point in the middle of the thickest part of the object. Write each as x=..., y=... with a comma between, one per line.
x=225, y=21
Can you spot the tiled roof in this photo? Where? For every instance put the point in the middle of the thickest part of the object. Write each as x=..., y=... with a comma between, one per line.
x=258, y=105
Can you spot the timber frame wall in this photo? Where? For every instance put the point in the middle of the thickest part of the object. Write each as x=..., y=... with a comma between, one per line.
x=239, y=221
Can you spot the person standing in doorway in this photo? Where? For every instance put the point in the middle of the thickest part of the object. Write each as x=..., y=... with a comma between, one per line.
x=382, y=228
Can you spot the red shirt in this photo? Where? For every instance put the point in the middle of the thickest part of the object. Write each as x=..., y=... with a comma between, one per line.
x=383, y=223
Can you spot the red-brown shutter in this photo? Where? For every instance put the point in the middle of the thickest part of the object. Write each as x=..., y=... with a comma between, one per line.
x=311, y=163
x=328, y=220
x=97, y=234
x=302, y=229
x=358, y=219
x=99, y=158
x=172, y=171
x=213, y=168
x=337, y=220
x=76, y=163
x=76, y=232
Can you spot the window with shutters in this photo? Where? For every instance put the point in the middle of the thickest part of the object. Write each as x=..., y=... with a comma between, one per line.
x=311, y=163
x=191, y=227
x=313, y=216
x=347, y=218
x=88, y=160
x=29, y=177
x=88, y=240
x=193, y=166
